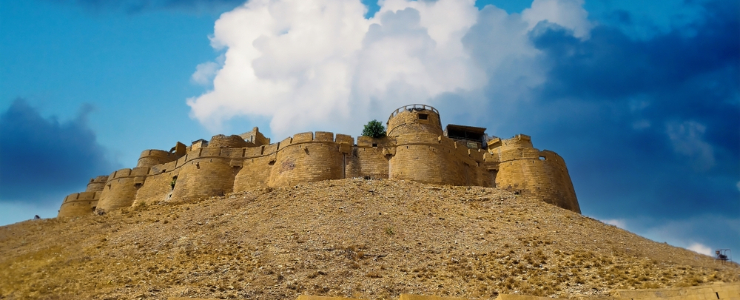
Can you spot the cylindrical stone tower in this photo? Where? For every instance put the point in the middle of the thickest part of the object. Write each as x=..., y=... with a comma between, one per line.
x=414, y=119
x=540, y=173
x=97, y=184
x=419, y=155
x=207, y=175
x=120, y=190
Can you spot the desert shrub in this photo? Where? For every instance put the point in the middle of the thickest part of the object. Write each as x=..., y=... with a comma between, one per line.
x=374, y=129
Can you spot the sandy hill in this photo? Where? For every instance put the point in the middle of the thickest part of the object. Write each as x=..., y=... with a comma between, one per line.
x=363, y=238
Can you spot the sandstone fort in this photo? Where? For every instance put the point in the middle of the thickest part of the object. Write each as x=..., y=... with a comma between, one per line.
x=417, y=148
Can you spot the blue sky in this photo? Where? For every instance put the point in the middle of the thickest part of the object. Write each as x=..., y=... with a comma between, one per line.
x=641, y=98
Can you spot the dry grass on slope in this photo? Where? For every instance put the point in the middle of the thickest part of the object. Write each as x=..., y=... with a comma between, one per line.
x=362, y=238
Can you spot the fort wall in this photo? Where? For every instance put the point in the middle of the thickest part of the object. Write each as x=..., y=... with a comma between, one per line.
x=255, y=137
x=224, y=141
x=415, y=149
x=422, y=163
x=539, y=173
x=79, y=204
x=96, y=184
x=120, y=190
x=156, y=188
x=152, y=157
x=414, y=119
x=255, y=173
x=207, y=175
x=368, y=162
x=303, y=159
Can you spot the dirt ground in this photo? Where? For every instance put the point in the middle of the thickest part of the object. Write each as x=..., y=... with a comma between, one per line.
x=371, y=239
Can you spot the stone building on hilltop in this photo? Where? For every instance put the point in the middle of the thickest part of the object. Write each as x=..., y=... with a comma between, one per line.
x=416, y=148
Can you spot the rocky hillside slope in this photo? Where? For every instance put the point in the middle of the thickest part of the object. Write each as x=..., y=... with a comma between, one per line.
x=355, y=238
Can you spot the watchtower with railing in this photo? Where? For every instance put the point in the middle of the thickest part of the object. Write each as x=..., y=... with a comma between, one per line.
x=414, y=118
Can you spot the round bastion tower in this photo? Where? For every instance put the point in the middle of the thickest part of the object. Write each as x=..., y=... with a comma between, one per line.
x=209, y=173
x=539, y=173
x=419, y=156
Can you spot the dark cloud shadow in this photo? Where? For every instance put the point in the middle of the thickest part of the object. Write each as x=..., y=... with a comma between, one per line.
x=41, y=160
x=648, y=127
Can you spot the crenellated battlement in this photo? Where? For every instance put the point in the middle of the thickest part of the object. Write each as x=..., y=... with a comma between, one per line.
x=416, y=148
x=99, y=179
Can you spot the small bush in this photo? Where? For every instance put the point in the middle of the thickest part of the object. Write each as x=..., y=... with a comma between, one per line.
x=389, y=231
x=374, y=129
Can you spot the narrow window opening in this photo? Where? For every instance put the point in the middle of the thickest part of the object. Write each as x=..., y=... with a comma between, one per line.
x=137, y=185
x=375, y=145
x=423, y=116
x=173, y=182
x=272, y=162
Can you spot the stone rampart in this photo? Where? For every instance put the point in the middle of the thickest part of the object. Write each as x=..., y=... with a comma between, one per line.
x=415, y=149
x=79, y=204
x=120, y=190
x=414, y=119
x=230, y=141
x=255, y=137
x=540, y=173
x=156, y=188
x=152, y=157
x=368, y=162
x=303, y=159
x=207, y=175
x=255, y=173
x=96, y=184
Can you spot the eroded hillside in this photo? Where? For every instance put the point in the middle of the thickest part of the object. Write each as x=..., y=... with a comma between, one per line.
x=362, y=238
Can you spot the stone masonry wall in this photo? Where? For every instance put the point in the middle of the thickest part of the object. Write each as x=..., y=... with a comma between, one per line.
x=415, y=149
x=304, y=159
x=224, y=141
x=407, y=121
x=152, y=157
x=370, y=162
x=255, y=173
x=120, y=190
x=97, y=184
x=156, y=188
x=79, y=204
x=208, y=175
x=540, y=173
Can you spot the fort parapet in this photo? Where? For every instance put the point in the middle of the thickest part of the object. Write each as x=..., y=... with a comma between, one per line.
x=416, y=148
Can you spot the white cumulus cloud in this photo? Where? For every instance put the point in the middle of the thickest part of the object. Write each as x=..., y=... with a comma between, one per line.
x=204, y=73
x=617, y=222
x=700, y=248
x=566, y=13
x=320, y=65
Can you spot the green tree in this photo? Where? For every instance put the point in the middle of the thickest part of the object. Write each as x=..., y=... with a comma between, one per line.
x=374, y=129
